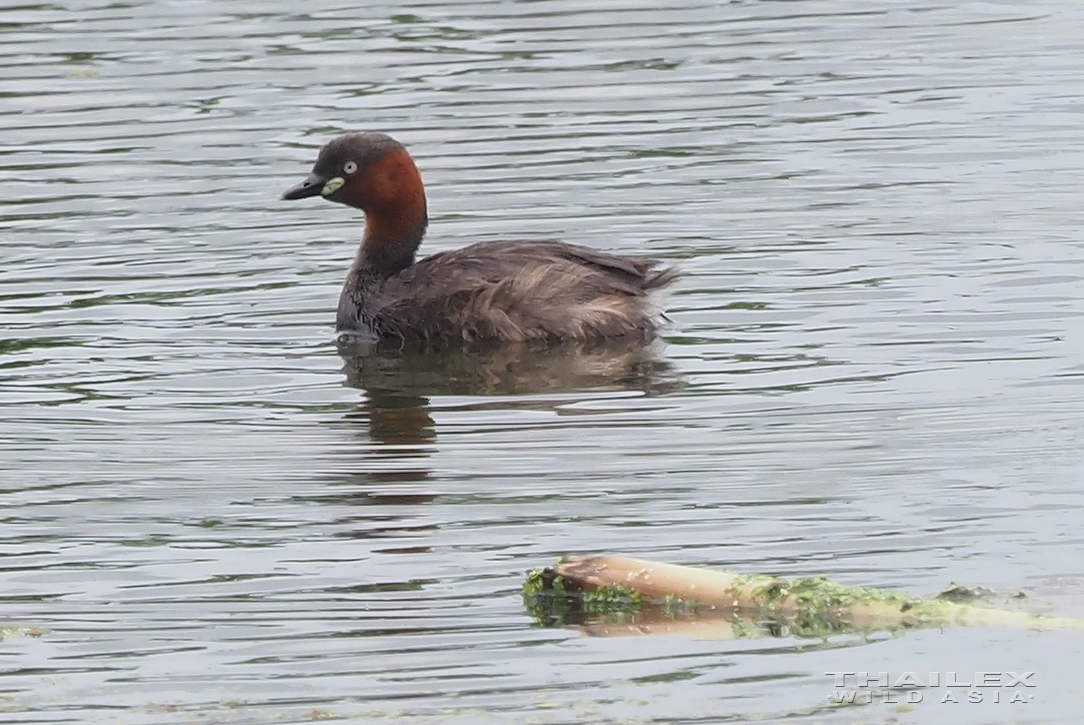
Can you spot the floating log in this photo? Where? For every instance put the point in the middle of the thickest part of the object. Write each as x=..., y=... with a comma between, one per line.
x=748, y=604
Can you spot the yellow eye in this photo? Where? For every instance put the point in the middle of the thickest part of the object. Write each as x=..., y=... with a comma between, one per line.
x=350, y=167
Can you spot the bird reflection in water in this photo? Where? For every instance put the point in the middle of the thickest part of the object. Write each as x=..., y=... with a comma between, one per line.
x=399, y=381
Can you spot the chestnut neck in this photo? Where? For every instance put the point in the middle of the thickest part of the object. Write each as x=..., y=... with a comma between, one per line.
x=395, y=215
x=386, y=250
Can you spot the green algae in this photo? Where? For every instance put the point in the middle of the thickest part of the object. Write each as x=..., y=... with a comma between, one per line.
x=612, y=599
x=551, y=601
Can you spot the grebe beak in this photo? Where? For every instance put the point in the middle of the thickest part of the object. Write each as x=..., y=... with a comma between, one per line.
x=312, y=186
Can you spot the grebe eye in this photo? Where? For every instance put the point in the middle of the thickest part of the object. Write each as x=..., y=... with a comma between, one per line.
x=350, y=167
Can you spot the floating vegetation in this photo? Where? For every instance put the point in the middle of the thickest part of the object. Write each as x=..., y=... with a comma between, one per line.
x=9, y=632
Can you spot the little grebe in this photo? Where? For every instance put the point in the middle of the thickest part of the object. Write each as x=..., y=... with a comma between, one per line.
x=507, y=290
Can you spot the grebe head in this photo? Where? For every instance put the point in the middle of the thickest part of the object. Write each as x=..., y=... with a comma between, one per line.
x=373, y=172
x=361, y=170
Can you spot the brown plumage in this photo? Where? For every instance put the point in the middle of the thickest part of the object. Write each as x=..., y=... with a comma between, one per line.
x=506, y=290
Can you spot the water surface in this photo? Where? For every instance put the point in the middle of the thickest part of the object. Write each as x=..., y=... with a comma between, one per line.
x=873, y=371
